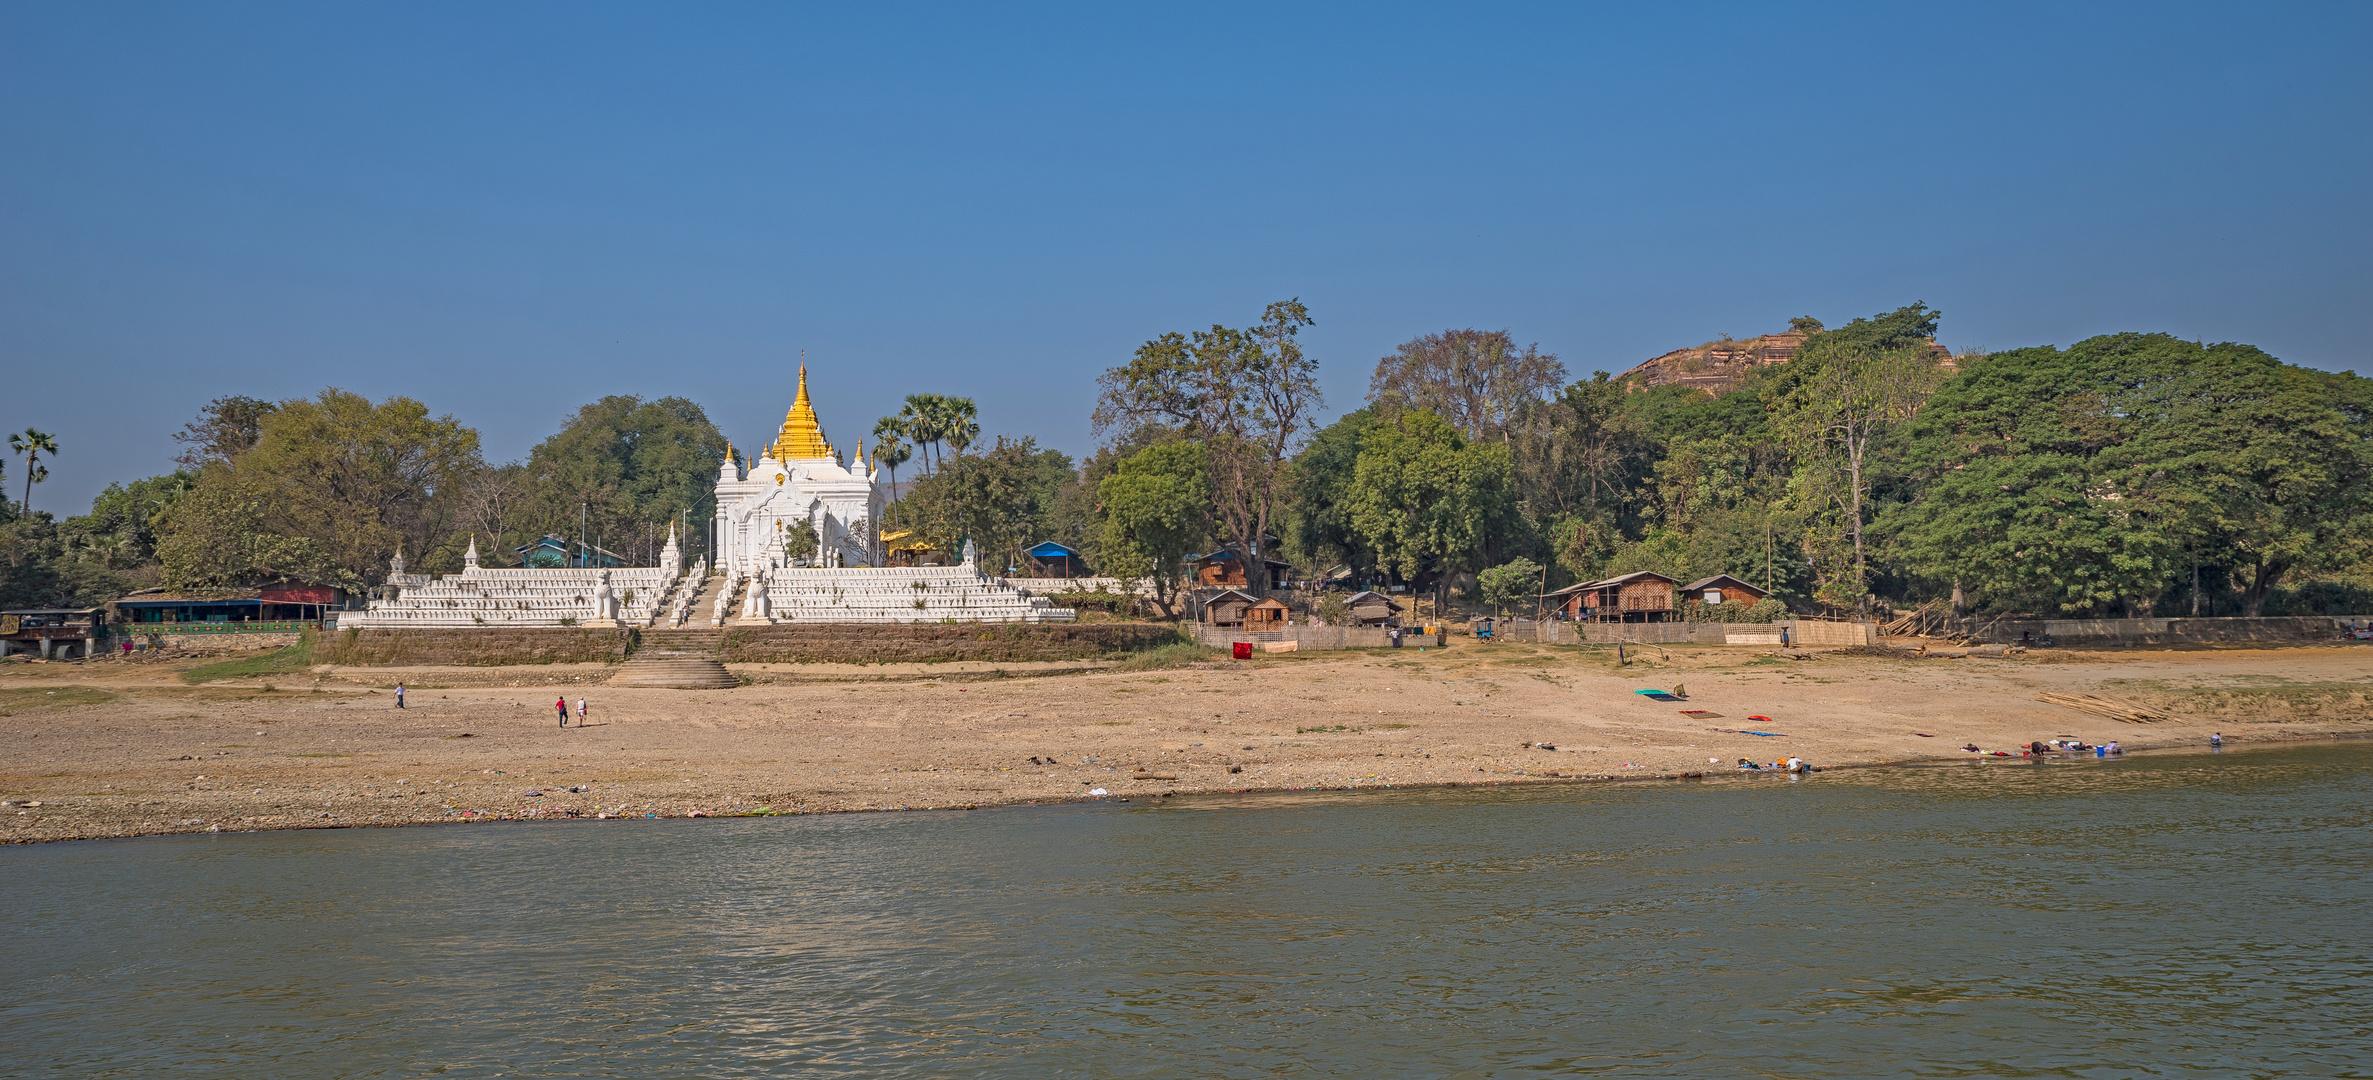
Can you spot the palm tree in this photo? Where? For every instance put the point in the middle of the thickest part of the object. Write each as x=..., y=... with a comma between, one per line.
x=924, y=419
x=31, y=445
x=963, y=423
x=890, y=449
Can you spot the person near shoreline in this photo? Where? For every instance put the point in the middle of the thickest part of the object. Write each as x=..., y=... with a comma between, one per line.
x=563, y=706
x=399, y=695
x=580, y=712
x=2216, y=739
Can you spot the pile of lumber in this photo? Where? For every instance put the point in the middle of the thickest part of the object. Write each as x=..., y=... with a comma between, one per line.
x=2113, y=708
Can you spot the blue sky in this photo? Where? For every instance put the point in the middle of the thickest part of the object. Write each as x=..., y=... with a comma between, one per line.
x=507, y=210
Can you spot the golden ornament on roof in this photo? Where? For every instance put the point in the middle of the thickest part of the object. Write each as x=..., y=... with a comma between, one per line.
x=802, y=439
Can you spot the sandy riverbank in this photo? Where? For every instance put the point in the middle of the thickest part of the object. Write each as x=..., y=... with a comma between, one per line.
x=119, y=749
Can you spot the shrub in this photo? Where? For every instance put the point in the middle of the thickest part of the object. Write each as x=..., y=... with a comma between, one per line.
x=1174, y=655
x=1110, y=603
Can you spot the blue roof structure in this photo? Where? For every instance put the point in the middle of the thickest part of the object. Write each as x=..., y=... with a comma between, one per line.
x=1052, y=550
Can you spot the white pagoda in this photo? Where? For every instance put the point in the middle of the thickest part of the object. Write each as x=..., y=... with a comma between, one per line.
x=797, y=478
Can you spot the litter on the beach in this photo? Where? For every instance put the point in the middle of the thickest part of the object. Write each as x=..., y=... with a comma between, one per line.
x=1701, y=714
x=1656, y=695
x=1766, y=734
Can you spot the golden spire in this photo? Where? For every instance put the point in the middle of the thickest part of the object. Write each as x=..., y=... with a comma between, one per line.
x=860, y=454
x=801, y=439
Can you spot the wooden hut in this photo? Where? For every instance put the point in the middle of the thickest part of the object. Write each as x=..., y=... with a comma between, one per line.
x=1372, y=608
x=1224, y=569
x=1269, y=613
x=1640, y=596
x=1227, y=608
x=1722, y=588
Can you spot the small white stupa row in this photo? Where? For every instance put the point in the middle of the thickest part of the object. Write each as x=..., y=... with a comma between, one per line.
x=530, y=596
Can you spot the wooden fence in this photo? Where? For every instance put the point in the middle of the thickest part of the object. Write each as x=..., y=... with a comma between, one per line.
x=1801, y=632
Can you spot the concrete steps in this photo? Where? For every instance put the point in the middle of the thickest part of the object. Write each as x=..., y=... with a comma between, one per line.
x=688, y=641
x=674, y=673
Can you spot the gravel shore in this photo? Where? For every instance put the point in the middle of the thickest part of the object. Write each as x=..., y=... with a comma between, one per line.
x=109, y=749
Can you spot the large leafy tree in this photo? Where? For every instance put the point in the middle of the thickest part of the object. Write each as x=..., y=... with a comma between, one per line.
x=1248, y=395
x=1478, y=380
x=1320, y=528
x=1843, y=396
x=332, y=487
x=633, y=466
x=1000, y=498
x=1428, y=501
x=2095, y=477
x=121, y=529
x=226, y=428
x=1155, y=508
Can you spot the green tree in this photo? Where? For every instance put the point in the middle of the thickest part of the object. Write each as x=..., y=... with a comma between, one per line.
x=121, y=527
x=1156, y=510
x=1848, y=390
x=1511, y=584
x=959, y=423
x=233, y=531
x=800, y=540
x=999, y=498
x=333, y=486
x=890, y=449
x=1426, y=500
x=30, y=444
x=927, y=419
x=1248, y=395
x=634, y=466
x=1479, y=381
x=226, y=428
x=1319, y=526
x=2093, y=477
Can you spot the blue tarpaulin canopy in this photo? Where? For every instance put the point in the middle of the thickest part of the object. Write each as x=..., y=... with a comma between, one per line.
x=1052, y=550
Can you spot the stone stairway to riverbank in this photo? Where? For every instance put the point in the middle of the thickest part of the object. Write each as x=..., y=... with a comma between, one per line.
x=675, y=659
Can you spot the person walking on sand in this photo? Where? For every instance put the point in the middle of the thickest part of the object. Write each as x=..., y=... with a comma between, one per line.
x=580, y=712
x=399, y=695
x=563, y=706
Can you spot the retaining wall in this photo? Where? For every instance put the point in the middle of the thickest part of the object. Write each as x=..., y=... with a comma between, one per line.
x=925, y=643
x=455, y=646
x=209, y=643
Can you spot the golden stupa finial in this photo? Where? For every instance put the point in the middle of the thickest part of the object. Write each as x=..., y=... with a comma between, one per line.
x=802, y=439
x=860, y=453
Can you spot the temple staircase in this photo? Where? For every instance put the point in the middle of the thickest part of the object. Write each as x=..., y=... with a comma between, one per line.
x=677, y=659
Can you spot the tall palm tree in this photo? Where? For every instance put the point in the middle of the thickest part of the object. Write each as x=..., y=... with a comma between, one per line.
x=31, y=444
x=890, y=449
x=962, y=424
x=924, y=418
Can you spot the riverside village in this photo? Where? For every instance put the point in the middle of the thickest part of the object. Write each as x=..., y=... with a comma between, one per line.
x=1008, y=627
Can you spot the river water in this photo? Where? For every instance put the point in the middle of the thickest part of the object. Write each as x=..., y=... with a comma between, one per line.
x=2172, y=916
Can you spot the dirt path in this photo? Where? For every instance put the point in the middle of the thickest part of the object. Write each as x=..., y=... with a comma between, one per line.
x=113, y=749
